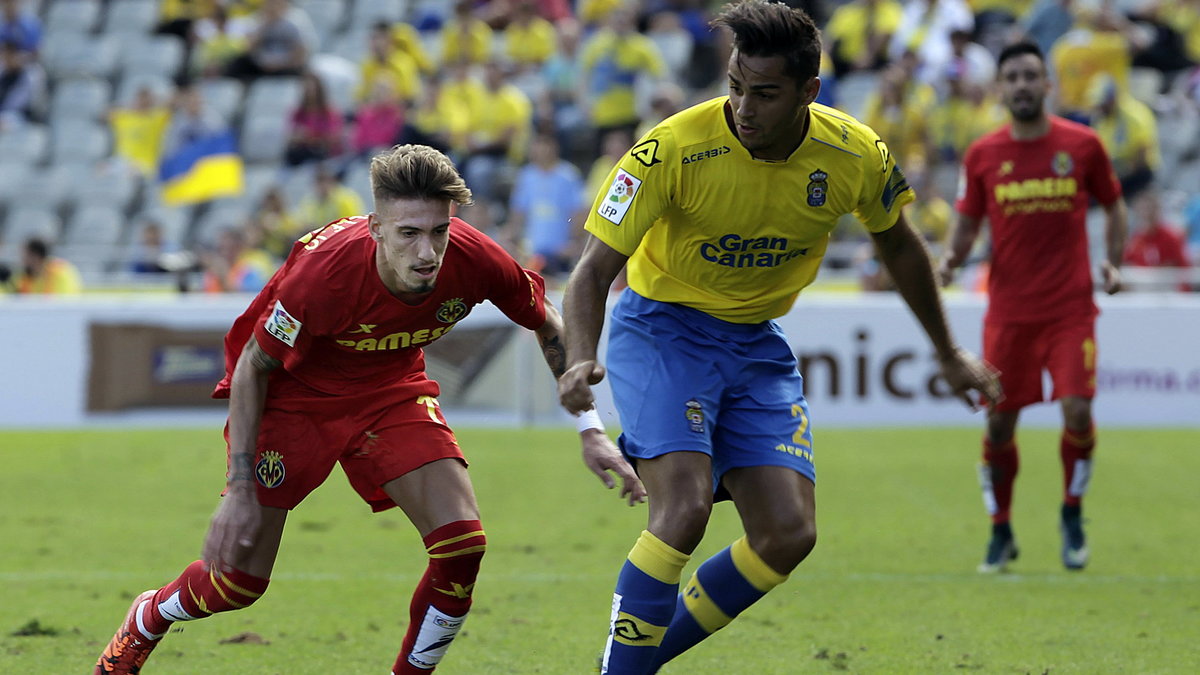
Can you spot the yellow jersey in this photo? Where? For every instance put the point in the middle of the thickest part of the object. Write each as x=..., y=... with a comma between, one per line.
x=708, y=226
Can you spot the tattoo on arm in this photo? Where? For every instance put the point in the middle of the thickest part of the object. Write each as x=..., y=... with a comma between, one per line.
x=555, y=354
x=241, y=467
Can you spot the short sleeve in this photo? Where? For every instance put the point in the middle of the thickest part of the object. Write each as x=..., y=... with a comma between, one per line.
x=518, y=292
x=884, y=190
x=637, y=191
x=294, y=314
x=1101, y=179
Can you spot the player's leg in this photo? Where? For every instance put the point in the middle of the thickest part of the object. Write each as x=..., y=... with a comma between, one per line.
x=778, y=511
x=1073, y=369
x=440, y=502
x=200, y=591
x=679, y=485
x=293, y=467
x=663, y=368
x=763, y=459
x=1016, y=352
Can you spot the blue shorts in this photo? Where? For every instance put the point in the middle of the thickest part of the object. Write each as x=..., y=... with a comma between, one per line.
x=683, y=380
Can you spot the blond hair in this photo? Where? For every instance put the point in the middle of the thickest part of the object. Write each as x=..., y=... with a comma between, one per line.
x=416, y=172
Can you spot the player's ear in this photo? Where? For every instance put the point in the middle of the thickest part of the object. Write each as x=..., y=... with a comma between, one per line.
x=375, y=226
x=810, y=89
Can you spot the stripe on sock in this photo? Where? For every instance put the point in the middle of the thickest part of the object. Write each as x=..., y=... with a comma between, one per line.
x=657, y=559
x=702, y=608
x=753, y=568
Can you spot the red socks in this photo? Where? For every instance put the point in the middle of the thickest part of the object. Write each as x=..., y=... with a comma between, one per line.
x=1001, y=461
x=1076, y=454
x=197, y=593
x=442, y=598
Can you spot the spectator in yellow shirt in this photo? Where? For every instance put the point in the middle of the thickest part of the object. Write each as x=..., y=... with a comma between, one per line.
x=898, y=110
x=44, y=274
x=611, y=61
x=529, y=40
x=1094, y=46
x=330, y=201
x=466, y=37
x=1129, y=132
x=859, y=32
x=500, y=133
x=138, y=130
x=406, y=39
x=385, y=61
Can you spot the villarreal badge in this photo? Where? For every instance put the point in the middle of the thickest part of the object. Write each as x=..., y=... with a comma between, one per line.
x=269, y=470
x=1062, y=164
x=818, y=187
x=452, y=310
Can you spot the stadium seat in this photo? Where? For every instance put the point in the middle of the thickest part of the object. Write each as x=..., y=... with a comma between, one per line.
x=223, y=95
x=219, y=215
x=327, y=18
x=363, y=14
x=853, y=89
x=80, y=99
x=108, y=184
x=24, y=222
x=94, y=225
x=78, y=140
x=272, y=97
x=263, y=138
x=298, y=184
x=153, y=54
x=1145, y=85
x=173, y=221
x=340, y=77
x=131, y=17
x=128, y=87
x=68, y=55
x=12, y=173
x=46, y=188
x=351, y=45
x=25, y=145
x=258, y=178
x=358, y=178
x=75, y=17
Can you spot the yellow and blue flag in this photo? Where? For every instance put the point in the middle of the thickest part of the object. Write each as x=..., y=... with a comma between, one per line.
x=204, y=168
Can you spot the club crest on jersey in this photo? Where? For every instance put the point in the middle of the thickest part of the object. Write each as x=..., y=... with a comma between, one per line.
x=695, y=416
x=818, y=188
x=282, y=325
x=269, y=470
x=452, y=310
x=616, y=203
x=1062, y=165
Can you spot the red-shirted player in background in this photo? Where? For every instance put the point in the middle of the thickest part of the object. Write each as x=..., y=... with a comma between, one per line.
x=325, y=367
x=1033, y=179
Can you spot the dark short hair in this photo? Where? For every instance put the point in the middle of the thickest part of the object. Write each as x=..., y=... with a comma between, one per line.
x=1019, y=49
x=765, y=28
x=38, y=247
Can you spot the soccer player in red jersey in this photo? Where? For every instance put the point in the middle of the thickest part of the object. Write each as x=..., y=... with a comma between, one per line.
x=1033, y=179
x=325, y=367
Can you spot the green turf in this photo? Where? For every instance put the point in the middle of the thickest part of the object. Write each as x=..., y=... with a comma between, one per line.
x=88, y=519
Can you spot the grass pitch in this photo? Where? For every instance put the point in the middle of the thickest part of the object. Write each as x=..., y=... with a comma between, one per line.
x=88, y=519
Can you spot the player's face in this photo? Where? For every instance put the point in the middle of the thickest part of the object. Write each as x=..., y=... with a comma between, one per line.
x=1023, y=86
x=768, y=106
x=411, y=237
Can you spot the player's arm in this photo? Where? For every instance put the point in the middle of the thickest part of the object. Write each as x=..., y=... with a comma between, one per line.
x=238, y=519
x=904, y=254
x=1115, y=230
x=584, y=305
x=959, y=242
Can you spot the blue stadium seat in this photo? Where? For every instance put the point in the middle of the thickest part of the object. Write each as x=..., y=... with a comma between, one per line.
x=152, y=54
x=109, y=184
x=80, y=99
x=69, y=55
x=94, y=225
x=72, y=17
x=363, y=14
x=25, y=145
x=75, y=140
x=263, y=138
x=272, y=97
x=223, y=95
x=24, y=222
x=220, y=215
x=327, y=18
x=131, y=17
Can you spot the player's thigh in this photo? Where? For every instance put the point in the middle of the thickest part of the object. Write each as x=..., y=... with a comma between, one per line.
x=665, y=382
x=296, y=450
x=1016, y=351
x=396, y=438
x=1072, y=358
x=435, y=494
x=777, y=506
x=765, y=419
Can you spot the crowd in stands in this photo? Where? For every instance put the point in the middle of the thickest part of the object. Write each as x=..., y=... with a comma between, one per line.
x=192, y=141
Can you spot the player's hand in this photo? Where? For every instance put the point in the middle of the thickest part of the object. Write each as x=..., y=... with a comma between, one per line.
x=575, y=386
x=964, y=372
x=235, y=527
x=601, y=455
x=1112, y=277
x=945, y=273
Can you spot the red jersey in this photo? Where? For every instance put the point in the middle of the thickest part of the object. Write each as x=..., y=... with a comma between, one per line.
x=1035, y=195
x=337, y=329
x=1157, y=246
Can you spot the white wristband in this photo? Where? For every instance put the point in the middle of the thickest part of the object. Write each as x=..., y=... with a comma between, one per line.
x=588, y=419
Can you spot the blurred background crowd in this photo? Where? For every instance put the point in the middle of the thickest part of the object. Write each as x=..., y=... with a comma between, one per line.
x=149, y=144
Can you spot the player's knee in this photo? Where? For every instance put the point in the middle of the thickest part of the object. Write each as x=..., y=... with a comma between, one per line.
x=1077, y=413
x=786, y=545
x=681, y=525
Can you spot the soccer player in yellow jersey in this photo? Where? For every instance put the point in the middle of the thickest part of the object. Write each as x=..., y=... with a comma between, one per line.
x=723, y=213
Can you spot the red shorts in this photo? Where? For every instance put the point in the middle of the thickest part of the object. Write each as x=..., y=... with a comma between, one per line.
x=1021, y=351
x=375, y=441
